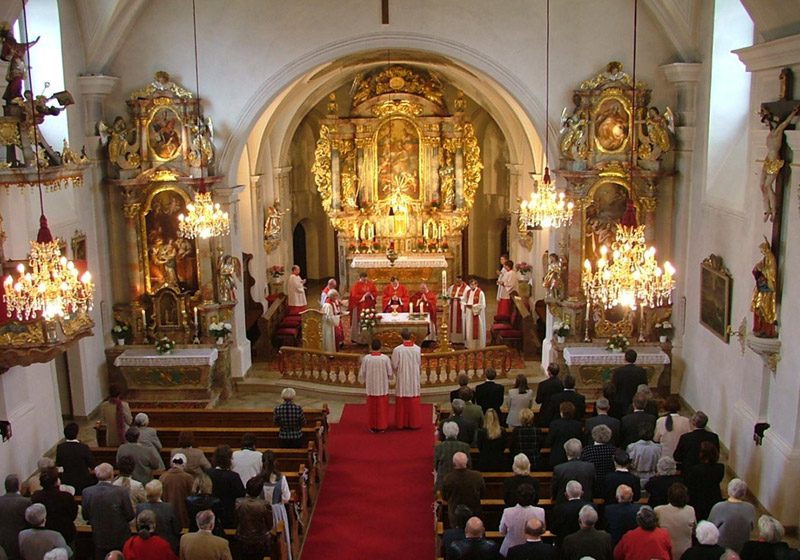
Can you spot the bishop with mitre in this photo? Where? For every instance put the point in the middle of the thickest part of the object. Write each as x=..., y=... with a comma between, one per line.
x=474, y=302
x=363, y=295
x=395, y=294
x=456, y=323
x=424, y=301
x=406, y=363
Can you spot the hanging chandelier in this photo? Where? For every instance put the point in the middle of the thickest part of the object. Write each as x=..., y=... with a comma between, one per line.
x=204, y=219
x=51, y=287
x=547, y=207
x=627, y=273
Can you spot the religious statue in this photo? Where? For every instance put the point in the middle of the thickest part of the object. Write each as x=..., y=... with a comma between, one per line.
x=121, y=152
x=553, y=285
x=202, y=152
x=13, y=53
x=272, y=226
x=764, y=304
x=447, y=179
x=71, y=157
x=658, y=139
x=228, y=266
x=573, y=134
x=772, y=162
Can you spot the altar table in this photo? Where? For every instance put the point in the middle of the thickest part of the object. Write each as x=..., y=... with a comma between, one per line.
x=592, y=364
x=388, y=329
x=404, y=261
x=597, y=355
x=178, y=357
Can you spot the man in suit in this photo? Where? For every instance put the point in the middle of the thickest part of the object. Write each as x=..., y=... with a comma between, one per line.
x=472, y=411
x=601, y=406
x=533, y=547
x=475, y=546
x=462, y=486
x=573, y=469
x=463, y=381
x=203, y=545
x=564, y=517
x=569, y=394
x=75, y=459
x=650, y=406
x=145, y=458
x=621, y=475
x=687, y=452
x=588, y=541
x=12, y=514
x=489, y=394
x=631, y=422
x=621, y=517
x=626, y=380
x=107, y=508
x=444, y=451
x=38, y=541
x=546, y=389
x=466, y=429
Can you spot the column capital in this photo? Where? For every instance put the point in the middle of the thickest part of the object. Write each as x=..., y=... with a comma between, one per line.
x=228, y=194
x=281, y=172
x=679, y=72
x=515, y=168
x=97, y=84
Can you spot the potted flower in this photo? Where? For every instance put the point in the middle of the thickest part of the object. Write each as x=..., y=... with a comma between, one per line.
x=276, y=271
x=164, y=345
x=420, y=244
x=561, y=330
x=368, y=319
x=431, y=245
x=445, y=245
x=220, y=331
x=351, y=248
x=120, y=332
x=617, y=344
x=376, y=245
x=523, y=268
x=362, y=247
x=663, y=330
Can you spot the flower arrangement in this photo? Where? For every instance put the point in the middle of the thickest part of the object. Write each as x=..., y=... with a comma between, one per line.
x=351, y=247
x=663, y=329
x=120, y=330
x=617, y=343
x=523, y=267
x=376, y=245
x=420, y=244
x=362, y=246
x=431, y=245
x=164, y=345
x=220, y=330
x=276, y=271
x=560, y=328
x=445, y=245
x=368, y=319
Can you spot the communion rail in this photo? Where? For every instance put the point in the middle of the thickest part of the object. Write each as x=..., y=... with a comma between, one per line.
x=438, y=368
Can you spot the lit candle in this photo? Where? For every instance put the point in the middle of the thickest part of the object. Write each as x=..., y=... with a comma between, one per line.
x=195, y=316
x=355, y=232
x=144, y=319
x=444, y=281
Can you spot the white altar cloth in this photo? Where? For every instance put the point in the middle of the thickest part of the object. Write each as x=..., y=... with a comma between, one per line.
x=413, y=261
x=597, y=355
x=401, y=319
x=179, y=357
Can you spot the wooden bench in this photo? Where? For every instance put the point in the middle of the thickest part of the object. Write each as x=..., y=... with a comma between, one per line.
x=495, y=536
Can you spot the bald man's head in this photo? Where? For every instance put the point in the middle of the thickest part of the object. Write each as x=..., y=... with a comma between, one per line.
x=460, y=461
x=474, y=528
x=534, y=528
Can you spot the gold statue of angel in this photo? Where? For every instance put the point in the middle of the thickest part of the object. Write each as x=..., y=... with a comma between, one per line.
x=660, y=132
x=228, y=266
x=573, y=134
x=121, y=151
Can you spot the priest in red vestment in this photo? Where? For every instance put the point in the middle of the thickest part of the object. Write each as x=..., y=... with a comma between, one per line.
x=363, y=295
x=456, y=325
x=395, y=294
x=427, y=299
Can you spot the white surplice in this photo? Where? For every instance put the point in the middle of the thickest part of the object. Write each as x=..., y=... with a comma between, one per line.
x=474, y=306
x=500, y=284
x=330, y=321
x=406, y=362
x=297, y=292
x=511, y=282
x=376, y=371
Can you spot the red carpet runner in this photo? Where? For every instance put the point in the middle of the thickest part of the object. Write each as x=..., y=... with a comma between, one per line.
x=376, y=498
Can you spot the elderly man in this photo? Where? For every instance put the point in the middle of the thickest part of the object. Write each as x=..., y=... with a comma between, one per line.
x=145, y=458
x=474, y=305
x=687, y=452
x=602, y=407
x=564, y=519
x=203, y=545
x=147, y=435
x=573, y=469
x=107, y=508
x=533, y=547
x=630, y=424
x=621, y=475
x=75, y=459
x=37, y=541
x=296, y=292
x=376, y=371
x=406, y=360
x=466, y=429
x=621, y=517
x=424, y=301
x=734, y=517
x=395, y=297
x=588, y=542
x=331, y=285
x=332, y=330
x=12, y=514
x=363, y=295
x=475, y=546
x=443, y=452
x=462, y=486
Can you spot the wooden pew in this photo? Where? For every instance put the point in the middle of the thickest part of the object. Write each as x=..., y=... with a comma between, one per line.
x=495, y=536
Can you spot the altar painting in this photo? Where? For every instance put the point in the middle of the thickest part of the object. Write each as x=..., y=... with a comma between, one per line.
x=609, y=201
x=171, y=259
x=398, y=160
x=163, y=133
x=611, y=125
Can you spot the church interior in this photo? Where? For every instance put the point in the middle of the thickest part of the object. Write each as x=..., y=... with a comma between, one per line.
x=167, y=163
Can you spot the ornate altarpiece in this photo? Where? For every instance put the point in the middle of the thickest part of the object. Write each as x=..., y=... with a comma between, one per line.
x=399, y=172
x=156, y=164
x=595, y=149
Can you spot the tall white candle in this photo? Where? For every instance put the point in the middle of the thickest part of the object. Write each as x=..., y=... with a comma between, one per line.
x=144, y=319
x=195, y=316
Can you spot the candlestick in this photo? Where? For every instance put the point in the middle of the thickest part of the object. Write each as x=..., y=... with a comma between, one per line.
x=355, y=232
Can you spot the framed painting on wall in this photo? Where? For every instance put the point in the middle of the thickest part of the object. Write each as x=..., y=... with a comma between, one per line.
x=715, y=296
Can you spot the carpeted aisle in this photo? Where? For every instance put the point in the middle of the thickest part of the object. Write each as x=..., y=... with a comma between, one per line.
x=376, y=498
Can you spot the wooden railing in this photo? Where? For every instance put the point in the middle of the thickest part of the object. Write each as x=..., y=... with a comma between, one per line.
x=438, y=368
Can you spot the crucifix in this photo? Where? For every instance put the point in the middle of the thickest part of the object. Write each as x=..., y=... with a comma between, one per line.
x=385, y=12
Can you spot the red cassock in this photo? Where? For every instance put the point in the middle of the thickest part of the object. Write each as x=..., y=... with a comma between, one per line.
x=428, y=304
x=369, y=292
x=398, y=295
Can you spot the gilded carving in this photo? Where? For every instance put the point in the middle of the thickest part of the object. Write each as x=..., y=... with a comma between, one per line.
x=472, y=166
x=322, y=167
x=9, y=134
x=161, y=84
x=132, y=210
x=402, y=107
x=399, y=79
x=649, y=204
x=613, y=74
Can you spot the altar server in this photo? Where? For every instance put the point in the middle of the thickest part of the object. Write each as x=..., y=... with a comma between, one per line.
x=509, y=289
x=297, y=292
x=332, y=331
x=500, y=273
x=424, y=301
x=456, y=324
x=376, y=369
x=474, y=316
x=395, y=294
x=406, y=362
x=363, y=295
x=324, y=296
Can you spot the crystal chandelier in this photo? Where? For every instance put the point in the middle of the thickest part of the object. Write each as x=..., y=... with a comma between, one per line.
x=204, y=218
x=51, y=286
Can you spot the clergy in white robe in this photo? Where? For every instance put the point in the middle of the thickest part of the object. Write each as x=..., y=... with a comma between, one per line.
x=406, y=363
x=455, y=327
x=510, y=288
x=324, y=295
x=297, y=292
x=376, y=369
x=332, y=331
x=474, y=316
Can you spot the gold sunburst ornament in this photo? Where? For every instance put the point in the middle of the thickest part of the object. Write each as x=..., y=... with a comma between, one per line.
x=204, y=219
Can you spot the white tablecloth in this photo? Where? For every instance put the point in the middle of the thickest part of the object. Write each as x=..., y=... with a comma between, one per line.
x=401, y=319
x=598, y=355
x=178, y=357
x=413, y=261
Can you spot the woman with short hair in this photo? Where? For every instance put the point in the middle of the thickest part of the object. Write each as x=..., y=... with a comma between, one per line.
x=147, y=435
x=600, y=453
x=658, y=486
x=677, y=517
x=146, y=544
x=769, y=545
x=168, y=526
x=647, y=542
x=522, y=475
x=706, y=548
x=290, y=418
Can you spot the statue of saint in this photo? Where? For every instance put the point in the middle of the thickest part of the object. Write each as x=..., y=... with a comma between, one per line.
x=573, y=134
x=763, y=304
x=773, y=163
x=447, y=180
x=658, y=139
x=553, y=285
x=272, y=225
x=228, y=267
x=13, y=53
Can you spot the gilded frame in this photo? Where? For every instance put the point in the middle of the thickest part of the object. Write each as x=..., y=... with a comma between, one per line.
x=607, y=97
x=716, y=285
x=78, y=243
x=422, y=160
x=158, y=106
